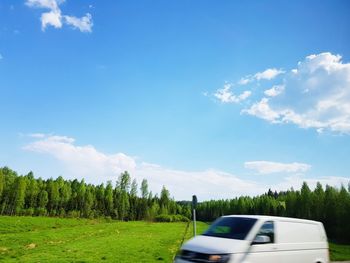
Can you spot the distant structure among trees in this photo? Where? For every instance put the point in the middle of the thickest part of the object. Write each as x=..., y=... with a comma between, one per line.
x=26, y=195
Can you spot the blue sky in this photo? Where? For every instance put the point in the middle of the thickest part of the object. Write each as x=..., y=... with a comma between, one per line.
x=210, y=98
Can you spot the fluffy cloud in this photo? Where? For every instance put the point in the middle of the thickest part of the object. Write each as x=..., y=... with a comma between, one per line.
x=48, y=4
x=274, y=91
x=84, y=24
x=226, y=95
x=262, y=110
x=267, y=74
x=316, y=95
x=207, y=184
x=82, y=161
x=52, y=19
x=55, y=18
x=296, y=181
x=96, y=167
x=265, y=167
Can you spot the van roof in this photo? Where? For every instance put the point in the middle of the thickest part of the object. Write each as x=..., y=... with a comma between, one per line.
x=277, y=218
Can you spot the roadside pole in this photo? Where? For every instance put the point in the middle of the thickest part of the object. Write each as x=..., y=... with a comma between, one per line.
x=194, y=206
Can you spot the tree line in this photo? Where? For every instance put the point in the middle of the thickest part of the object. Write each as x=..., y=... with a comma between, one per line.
x=330, y=206
x=26, y=195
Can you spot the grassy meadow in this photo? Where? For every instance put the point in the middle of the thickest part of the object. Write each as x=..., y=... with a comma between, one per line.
x=43, y=239
x=339, y=252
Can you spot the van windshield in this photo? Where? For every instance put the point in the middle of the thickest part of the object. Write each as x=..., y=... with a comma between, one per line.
x=231, y=227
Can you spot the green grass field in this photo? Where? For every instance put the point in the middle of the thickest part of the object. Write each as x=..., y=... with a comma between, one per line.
x=339, y=252
x=43, y=239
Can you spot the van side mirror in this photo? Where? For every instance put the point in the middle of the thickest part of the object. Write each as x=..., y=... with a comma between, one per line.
x=261, y=239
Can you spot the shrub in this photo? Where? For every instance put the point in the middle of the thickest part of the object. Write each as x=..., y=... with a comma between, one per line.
x=29, y=212
x=108, y=219
x=62, y=212
x=171, y=218
x=40, y=212
x=73, y=214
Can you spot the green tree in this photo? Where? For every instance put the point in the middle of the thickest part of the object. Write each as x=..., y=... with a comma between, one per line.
x=109, y=199
x=164, y=200
x=19, y=192
x=144, y=189
x=43, y=199
x=133, y=189
x=2, y=184
x=88, y=201
x=54, y=196
x=122, y=189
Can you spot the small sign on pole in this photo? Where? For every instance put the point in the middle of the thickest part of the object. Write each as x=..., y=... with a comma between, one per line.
x=194, y=206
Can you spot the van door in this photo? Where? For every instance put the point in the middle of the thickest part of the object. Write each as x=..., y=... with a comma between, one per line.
x=263, y=248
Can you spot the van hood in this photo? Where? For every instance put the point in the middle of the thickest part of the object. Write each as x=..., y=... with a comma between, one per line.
x=216, y=245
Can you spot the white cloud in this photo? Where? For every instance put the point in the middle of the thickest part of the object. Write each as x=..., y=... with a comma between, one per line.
x=262, y=110
x=274, y=91
x=268, y=74
x=48, y=4
x=55, y=18
x=97, y=167
x=82, y=161
x=207, y=184
x=84, y=24
x=296, y=182
x=226, y=95
x=52, y=18
x=245, y=81
x=37, y=135
x=316, y=95
x=266, y=167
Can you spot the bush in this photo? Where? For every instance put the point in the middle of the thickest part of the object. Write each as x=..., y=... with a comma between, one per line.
x=171, y=218
x=53, y=213
x=73, y=214
x=180, y=218
x=29, y=212
x=163, y=218
x=108, y=219
x=62, y=212
x=40, y=212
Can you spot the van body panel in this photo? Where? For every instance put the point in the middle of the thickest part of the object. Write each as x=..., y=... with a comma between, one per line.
x=287, y=256
x=298, y=232
x=216, y=245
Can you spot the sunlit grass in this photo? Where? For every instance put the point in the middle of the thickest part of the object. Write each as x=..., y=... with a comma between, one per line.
x=40, y=239
x=43, y=239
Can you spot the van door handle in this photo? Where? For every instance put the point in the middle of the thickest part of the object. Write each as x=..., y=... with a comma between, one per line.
x=274, y=248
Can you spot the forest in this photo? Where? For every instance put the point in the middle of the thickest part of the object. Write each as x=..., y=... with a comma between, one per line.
x=331, y=206
x=26, y=195
x=125, y=200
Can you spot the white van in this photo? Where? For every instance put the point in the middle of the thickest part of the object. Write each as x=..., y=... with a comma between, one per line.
x=258, y=239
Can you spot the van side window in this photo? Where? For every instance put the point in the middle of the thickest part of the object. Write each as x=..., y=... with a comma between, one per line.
x=267, y=229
